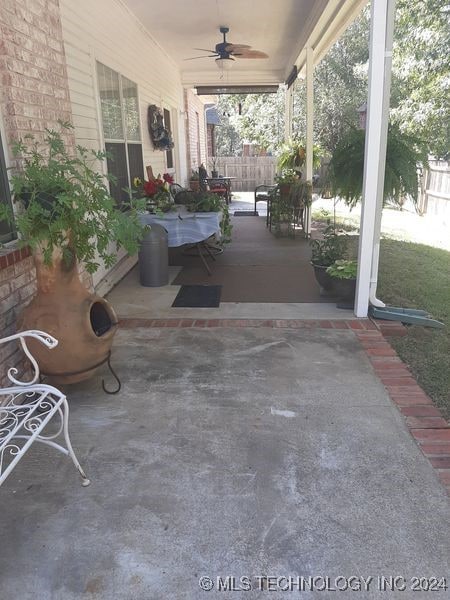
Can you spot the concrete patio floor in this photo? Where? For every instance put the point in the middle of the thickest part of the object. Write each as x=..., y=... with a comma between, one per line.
x=245, y=452
x=131, y=300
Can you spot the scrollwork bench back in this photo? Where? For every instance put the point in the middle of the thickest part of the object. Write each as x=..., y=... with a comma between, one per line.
x=27, y=407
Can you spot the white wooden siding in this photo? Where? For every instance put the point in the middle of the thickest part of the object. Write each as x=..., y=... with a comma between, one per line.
x=106, y=31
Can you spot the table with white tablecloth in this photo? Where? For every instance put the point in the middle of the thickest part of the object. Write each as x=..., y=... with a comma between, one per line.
x=184, y=227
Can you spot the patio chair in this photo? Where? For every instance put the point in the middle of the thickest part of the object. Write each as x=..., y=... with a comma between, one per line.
x=215, y=185
x=180, y=194
x=262, y=194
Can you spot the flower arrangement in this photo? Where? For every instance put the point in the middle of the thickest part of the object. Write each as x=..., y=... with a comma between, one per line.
x=157, y=191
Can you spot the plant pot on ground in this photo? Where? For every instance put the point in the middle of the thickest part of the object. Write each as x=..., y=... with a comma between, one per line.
x=324, y=253
x=75, y=224
x=343, y=274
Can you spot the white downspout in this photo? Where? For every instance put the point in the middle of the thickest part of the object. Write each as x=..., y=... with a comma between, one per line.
x=309, y=128
x=390, y=19
x=380, y=60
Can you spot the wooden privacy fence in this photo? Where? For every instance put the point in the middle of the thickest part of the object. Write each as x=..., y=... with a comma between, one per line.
x=434, y=198
x=249, y=171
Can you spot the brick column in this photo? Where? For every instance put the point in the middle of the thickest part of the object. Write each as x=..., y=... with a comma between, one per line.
x=34, y=95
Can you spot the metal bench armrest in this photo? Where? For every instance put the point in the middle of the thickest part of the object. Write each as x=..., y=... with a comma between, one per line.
x=44, y=338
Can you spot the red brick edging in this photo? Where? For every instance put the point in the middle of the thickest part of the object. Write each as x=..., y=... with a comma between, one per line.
x=355, y=325
x=424, y=421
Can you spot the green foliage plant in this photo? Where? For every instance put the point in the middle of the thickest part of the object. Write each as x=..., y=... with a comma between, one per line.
x=63, y=202
x=286, y=176
x=292, y=155
x=209, y=202
x=343, y=269
x=405, y=155
x=332, y=247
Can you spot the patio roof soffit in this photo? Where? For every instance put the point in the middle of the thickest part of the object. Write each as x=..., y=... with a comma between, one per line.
x=282, y=29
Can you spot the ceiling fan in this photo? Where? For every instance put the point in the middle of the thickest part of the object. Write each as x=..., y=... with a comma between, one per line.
x=225, y=52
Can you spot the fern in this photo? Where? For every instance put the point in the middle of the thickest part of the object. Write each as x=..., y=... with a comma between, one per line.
x=405, y=154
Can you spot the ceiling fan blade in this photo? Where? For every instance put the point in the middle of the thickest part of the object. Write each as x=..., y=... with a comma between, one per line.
x=195, y=57
x=204, y=49
x=231, y=47
x=251, y=54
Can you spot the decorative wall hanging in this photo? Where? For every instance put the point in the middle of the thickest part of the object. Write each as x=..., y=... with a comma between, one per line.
x=161, y=137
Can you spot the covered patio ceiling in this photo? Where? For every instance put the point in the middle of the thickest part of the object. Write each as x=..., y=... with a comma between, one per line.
x=281, y=29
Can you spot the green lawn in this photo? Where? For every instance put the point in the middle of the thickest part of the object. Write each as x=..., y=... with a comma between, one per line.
x=418, y=276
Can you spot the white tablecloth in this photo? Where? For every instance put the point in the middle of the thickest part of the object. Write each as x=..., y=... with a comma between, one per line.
x=184, y=227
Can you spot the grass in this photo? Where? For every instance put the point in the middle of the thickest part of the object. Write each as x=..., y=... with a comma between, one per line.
x=416, y=276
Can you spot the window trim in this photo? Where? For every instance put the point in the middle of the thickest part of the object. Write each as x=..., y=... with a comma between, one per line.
x=5, y=187
x=104, y=140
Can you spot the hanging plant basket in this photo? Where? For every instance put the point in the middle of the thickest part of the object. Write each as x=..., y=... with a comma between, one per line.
x=161, y=137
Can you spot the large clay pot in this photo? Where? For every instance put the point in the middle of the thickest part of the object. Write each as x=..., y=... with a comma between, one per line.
x=325, y=281
x=83, y=323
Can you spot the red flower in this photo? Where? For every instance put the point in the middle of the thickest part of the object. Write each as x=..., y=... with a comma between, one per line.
x=150, y=188
x=168, y=178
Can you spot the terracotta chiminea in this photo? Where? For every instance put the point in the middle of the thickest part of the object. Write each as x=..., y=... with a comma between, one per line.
x=83, y=323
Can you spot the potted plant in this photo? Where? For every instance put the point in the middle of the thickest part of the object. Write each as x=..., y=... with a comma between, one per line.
x=213, y=165
x=343, y=273
x=285, y=179
x=67, y=217
x=155, y=192
x=210, y=202
x=292, y=155
x=194, y=181
x=324, y=253
x=404, y=155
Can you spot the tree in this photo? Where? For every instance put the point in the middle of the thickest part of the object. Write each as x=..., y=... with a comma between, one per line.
x=420, y=103
x=420, y=97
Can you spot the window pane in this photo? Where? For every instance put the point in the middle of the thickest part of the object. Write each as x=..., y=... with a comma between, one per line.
x=108, y=83
x=6, y=234
x=131, y=109
x=169, y=153
x=117, y=166
x=135, y=161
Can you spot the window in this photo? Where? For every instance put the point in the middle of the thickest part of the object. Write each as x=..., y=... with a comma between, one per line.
x=121, y=130
x=167, y=125
x=6, y=233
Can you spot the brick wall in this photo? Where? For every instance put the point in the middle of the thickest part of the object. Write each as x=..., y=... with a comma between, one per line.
x=194, y=106
x=34, y=95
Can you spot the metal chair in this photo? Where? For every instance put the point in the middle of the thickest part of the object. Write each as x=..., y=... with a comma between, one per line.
x=263, y=194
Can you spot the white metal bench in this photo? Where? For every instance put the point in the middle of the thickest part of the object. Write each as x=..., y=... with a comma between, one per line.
x=26, y=408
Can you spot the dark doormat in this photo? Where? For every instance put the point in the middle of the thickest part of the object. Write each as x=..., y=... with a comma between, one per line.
x=245, y=213
x=198, y=296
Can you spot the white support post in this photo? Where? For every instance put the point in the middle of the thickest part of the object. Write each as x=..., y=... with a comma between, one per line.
x=380, y=60
x=288, y=112
x=309, y=128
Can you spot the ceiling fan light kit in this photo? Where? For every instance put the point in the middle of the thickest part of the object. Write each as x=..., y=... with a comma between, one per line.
x=224, y=63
